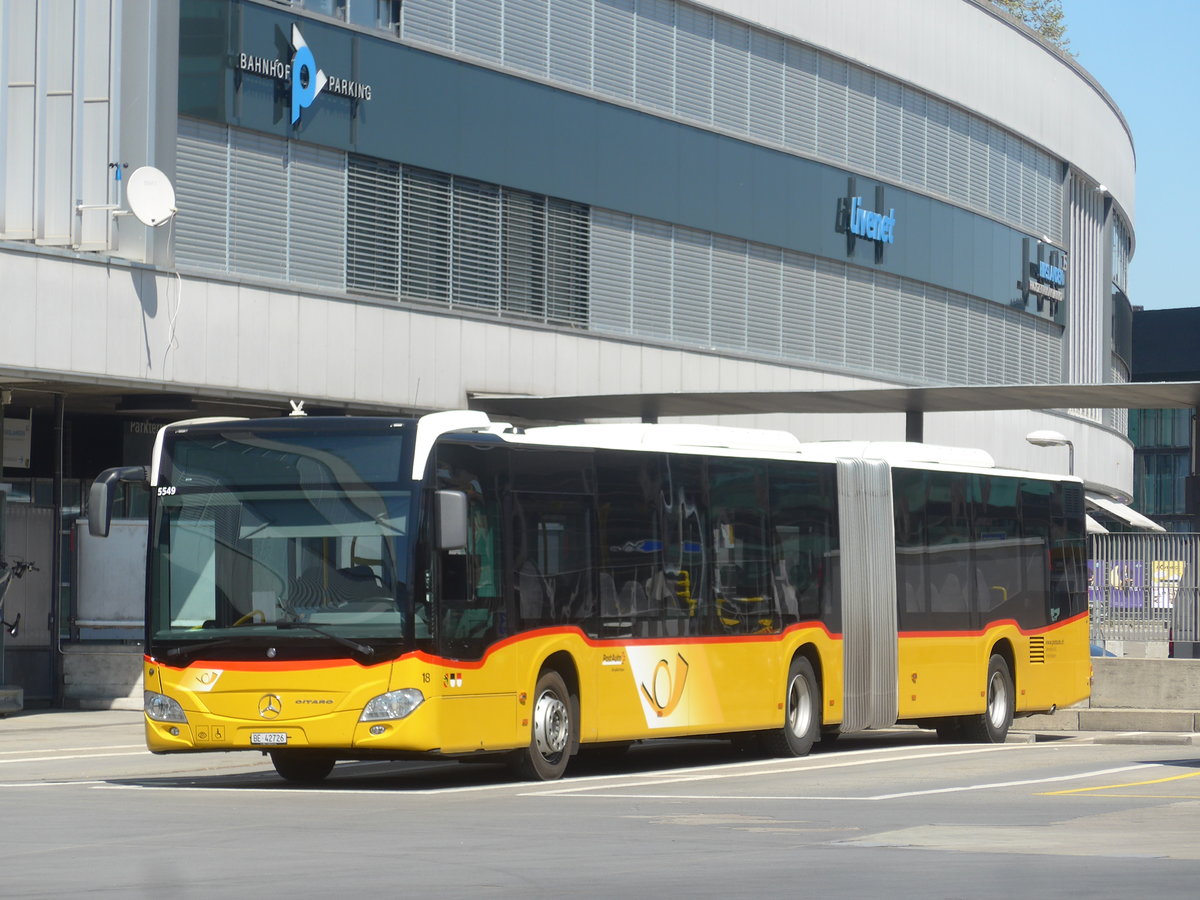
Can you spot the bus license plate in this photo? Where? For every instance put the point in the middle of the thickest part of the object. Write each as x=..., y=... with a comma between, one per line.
x=268, y=737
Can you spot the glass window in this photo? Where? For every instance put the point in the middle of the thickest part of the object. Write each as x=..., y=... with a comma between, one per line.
x=804, y=533
x=742, y=554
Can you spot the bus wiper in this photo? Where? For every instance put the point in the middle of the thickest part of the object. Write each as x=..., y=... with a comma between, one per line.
x=364, y=649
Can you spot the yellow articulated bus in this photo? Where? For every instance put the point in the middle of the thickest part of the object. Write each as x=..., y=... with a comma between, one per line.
x=325, y=589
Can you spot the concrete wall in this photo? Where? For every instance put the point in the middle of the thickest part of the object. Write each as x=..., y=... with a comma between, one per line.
x=106, y=676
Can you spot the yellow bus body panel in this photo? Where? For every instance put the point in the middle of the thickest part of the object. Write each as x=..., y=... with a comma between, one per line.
x=628, y=689
x=945, y=674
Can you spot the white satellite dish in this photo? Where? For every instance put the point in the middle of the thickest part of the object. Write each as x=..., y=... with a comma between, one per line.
x=150, y=196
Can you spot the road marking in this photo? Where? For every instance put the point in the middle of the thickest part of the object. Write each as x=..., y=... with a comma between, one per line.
x=74, y=749
x=1130, y=784
x=871, y=798
x=55, y=757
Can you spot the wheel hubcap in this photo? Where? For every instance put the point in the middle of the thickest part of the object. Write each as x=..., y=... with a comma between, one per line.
x=799, y=707
x=997, y=701
x=550, y=725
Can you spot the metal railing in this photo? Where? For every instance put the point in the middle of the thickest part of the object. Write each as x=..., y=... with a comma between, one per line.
x=1144, y=587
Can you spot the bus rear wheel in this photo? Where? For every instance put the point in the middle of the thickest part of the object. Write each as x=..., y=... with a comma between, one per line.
x=991, y=727
x=302, y=767
x=553, y=731
x=802, y=713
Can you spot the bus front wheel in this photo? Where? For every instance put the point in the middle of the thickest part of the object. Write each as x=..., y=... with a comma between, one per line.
x=301, y=766
x=802, y=713
x=553, y=731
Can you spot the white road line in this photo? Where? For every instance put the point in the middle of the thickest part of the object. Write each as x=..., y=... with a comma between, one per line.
x=54, y=757
x=806, y=764
x=873, y=799
x=73, y=749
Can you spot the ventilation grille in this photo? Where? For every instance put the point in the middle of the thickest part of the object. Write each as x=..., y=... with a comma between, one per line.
x=1037, y=649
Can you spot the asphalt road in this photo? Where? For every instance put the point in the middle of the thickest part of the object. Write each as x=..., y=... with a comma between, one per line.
x=84, y=808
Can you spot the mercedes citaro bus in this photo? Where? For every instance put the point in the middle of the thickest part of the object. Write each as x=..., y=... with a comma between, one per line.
x=325, y=589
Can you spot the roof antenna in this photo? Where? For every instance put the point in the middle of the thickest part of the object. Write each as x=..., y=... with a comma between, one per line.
x=297, y=408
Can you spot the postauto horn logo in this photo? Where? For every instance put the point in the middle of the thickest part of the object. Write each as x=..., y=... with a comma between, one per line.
x=307, y=79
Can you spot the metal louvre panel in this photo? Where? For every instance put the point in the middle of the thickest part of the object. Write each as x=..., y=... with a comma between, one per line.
x=959, y=362
x=830, y=308
x=523, y=266
x=425, y=236
x=729, y=293
x=613, y=68
x=997, y=172
x=567, y=249
x=975, y=338
x=570, y=42
x=373, y=235
x=889, y=124
x=475, y=266
x=652, y=278
x=526, y=35
x=800, y=99
x=868, y=583
x=799, y=291
x=912, y=131
x=886, y=327
x=921, y=338
x=611, y=272
x=258, y=179
x=980, y=159
x=766, y=87
x=860, y=327
x=317, y=239
x=202, y=186
x=763, y=301
x=693, y=287
x=937, y=147
x=731, y=76
x=959, y=150
x=428, y=21
x=832, y=81
x=654, y=54
x=860, y=137
x=993, y=315
x=694, y=63
x=478, y=28
x=1012, y=178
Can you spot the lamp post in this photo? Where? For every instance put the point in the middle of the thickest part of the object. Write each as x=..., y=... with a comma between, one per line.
x=1054, y=439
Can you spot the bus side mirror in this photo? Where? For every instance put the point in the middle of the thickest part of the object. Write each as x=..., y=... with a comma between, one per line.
x=450, y=519
x=100, y=497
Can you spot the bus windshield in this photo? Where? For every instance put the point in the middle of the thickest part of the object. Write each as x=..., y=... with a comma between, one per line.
x=268, y=539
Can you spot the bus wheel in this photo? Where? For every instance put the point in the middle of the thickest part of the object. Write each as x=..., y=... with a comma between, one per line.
x=302, y=767
x=549, y=750
x=802, y=719
x=992, y=727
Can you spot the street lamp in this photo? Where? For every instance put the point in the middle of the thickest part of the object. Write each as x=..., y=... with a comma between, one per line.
x=1054, y=439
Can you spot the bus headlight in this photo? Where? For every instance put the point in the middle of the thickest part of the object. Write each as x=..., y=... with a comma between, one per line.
x=392, y=705
x=162, y=708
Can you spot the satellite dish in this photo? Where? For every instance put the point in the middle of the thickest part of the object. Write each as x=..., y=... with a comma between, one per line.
x=150, y=195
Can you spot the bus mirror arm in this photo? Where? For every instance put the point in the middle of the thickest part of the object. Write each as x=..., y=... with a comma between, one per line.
x=100, y=497
x=450, y=519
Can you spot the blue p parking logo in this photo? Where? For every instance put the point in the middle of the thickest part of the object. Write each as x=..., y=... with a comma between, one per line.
x=307, y=79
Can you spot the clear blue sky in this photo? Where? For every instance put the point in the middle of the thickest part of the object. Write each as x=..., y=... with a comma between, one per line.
x=1143, y=52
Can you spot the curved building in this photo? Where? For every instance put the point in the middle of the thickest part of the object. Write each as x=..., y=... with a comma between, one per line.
x=391, y=206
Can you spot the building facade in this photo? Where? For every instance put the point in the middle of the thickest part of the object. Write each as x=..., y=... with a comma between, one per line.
x=391, y=206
